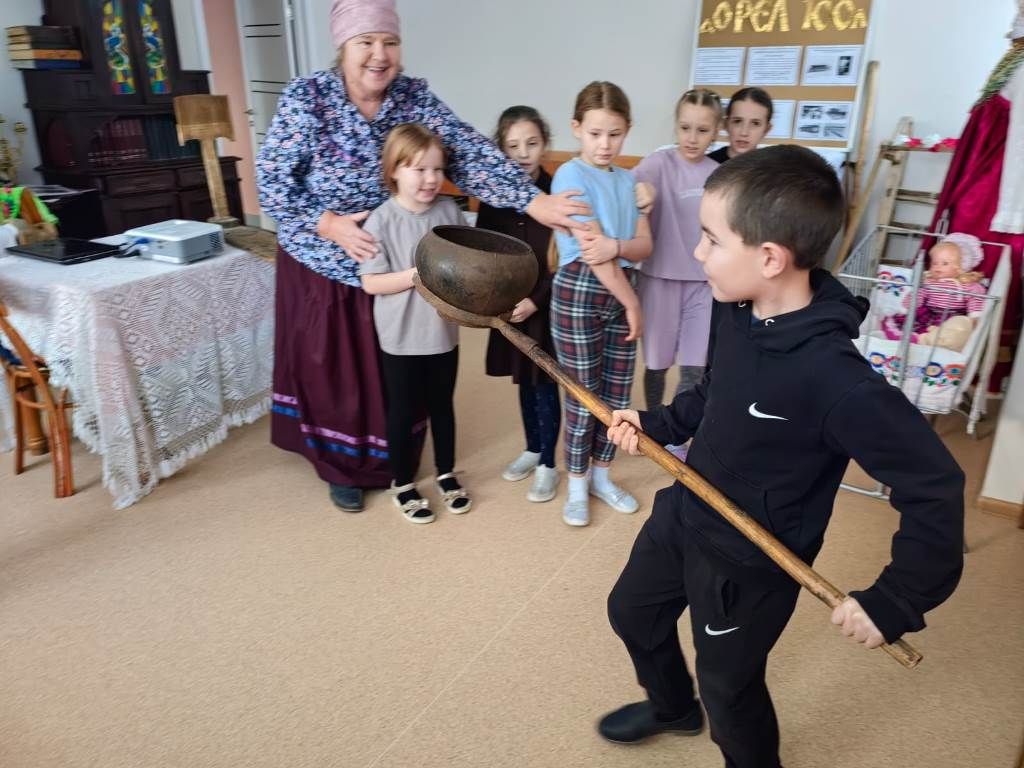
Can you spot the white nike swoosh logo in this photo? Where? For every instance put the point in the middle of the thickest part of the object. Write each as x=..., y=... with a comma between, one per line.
x=752, y=410
x=716, y=632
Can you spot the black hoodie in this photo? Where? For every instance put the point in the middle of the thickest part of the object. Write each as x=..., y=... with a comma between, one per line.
x=786, y=404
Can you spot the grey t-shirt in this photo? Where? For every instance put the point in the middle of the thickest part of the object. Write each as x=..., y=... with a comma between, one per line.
x=406, y=323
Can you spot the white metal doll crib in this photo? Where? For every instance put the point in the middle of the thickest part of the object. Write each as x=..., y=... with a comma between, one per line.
x=886, y=267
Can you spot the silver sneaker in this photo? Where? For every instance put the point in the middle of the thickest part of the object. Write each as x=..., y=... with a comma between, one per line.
x=521, y=466
x=545, y=484
x=576, y=513
x=618, y=499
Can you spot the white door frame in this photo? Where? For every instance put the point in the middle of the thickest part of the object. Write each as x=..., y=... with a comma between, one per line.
x=290, y=13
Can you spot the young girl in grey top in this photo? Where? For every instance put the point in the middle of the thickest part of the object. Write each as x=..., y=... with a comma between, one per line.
x=420, y=354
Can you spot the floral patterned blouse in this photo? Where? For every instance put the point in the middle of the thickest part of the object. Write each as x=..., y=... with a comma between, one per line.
x=320, y=153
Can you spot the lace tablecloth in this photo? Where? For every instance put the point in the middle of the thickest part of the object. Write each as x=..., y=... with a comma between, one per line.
x=160, y=359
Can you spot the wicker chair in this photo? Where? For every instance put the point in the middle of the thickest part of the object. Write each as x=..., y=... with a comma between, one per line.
x=28, y=379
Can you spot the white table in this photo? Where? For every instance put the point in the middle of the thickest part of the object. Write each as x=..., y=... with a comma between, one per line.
x=160, y=359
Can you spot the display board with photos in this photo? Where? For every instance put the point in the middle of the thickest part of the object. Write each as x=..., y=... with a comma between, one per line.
x=807, y=54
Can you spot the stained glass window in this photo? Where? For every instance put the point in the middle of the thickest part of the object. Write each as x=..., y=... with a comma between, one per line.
x=153, y=39
x=115, y=43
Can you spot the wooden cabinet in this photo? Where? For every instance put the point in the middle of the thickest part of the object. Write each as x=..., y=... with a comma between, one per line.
x=128, y=212
x=133, y=196
x=125, y=184
x=110, y=125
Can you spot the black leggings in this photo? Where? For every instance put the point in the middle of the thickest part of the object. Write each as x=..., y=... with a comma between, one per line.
x=542, y=419
x=413, y=382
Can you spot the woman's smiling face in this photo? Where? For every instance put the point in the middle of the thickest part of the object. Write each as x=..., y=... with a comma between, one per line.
x=370, y=62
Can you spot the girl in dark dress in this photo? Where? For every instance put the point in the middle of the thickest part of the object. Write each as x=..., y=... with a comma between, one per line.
x=523, y=135
x=748, y=119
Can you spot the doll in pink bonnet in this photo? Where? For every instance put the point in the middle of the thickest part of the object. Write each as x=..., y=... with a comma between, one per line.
x=952, y=263
x=951, y=294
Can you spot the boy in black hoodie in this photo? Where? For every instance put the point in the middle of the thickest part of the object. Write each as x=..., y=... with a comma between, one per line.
x=784, y=406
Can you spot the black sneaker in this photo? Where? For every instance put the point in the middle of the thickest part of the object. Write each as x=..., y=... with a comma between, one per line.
x=636, y=722
x=346, y=497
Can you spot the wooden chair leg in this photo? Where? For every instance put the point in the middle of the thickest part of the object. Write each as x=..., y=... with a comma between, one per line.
x=36, y=437
x=19, y=438
x=62, y=469
x=30, y=391
x=56, y=455
x=59, y=434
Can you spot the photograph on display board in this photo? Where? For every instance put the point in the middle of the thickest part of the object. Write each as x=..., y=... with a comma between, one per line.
x=831, y=65
x=823, y=120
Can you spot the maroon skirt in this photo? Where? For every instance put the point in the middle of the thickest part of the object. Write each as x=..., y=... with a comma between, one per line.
x=328, y=401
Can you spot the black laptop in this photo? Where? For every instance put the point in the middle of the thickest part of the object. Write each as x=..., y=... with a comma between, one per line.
x=65, y=250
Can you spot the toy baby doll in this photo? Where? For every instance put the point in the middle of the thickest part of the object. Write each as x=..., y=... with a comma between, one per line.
x=951, y=293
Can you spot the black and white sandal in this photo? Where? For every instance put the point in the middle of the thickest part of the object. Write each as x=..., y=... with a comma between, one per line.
x=415, y=509
x=456, y=499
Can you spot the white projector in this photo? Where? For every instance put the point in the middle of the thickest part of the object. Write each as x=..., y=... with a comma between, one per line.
x=177, y=241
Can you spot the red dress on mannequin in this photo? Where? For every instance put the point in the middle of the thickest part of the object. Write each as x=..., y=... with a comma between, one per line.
x=970, y=196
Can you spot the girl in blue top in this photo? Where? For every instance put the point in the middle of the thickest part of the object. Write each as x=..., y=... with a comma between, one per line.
x=595, y=313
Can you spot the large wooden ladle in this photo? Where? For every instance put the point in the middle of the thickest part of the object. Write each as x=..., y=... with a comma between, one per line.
x=433, y=258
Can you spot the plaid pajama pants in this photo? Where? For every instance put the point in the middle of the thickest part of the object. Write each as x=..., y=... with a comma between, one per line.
x=588, y=326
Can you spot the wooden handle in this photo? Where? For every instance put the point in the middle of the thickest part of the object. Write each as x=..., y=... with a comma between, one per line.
x=214, y=179
x=802, y=573
x=864, y=123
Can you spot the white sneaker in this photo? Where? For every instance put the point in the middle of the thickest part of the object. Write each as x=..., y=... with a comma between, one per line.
x=545, y=484
x=576, y=513
x=616, y=498
x=521, y=466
